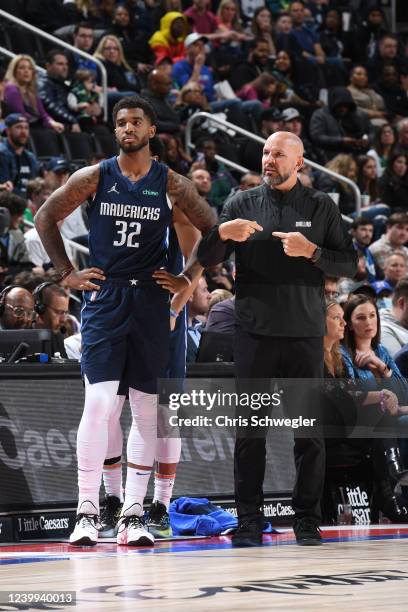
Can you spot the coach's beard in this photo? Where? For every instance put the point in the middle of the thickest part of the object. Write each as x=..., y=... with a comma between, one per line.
x=272, y=181
x=134, y=148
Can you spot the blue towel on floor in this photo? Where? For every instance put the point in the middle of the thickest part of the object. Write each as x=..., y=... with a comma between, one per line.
x=198, y=516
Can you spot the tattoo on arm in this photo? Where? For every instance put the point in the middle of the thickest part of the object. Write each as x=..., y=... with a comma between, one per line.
x=186, y=196
x=59, y=205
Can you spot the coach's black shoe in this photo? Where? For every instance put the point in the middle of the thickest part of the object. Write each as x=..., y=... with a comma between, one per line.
x=110, y=517
x=249, y=532
x=157, y=521
x=307, y=532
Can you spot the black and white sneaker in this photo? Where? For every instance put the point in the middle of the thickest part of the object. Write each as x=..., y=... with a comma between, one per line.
x=110, y=517
x=86, y=526
x=158, y=521
x=132, y=530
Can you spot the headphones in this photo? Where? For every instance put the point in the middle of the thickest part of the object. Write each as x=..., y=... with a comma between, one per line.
x=3, y=296
x=39, y=305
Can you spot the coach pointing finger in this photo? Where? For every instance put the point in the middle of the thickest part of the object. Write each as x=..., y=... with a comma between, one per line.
x=281, y=261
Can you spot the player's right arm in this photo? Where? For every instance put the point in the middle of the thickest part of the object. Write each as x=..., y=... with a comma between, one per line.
x=80, y=186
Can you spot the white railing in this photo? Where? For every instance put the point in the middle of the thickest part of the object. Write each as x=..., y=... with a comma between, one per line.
x=202, y=115
x=61, y=43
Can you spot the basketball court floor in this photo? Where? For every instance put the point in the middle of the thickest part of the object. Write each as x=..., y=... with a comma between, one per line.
x=357, y=568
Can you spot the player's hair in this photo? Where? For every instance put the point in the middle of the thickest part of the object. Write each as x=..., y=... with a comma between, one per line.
x=135, y=102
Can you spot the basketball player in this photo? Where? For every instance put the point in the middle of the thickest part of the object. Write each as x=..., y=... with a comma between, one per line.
x=125, y=324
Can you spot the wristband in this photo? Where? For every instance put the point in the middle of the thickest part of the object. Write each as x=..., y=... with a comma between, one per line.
x=173, y=313
x=186, y=277
x=65, y=272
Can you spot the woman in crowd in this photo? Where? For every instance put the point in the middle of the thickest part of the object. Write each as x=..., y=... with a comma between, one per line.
x=394, y=183
x=20, y=93
x=383, y=144
x=367, y=181
x=122, y=80
x=174, y=155
x=229, y=23
x=346, y=406
x=366, y=99
x=134, y=41
x=261, y=28
x=301, y=91
x=342, y=164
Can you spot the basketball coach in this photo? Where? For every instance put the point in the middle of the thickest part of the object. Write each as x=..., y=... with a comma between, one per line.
x=286, y=237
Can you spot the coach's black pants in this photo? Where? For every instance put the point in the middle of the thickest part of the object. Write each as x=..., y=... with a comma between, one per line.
x=266, y=357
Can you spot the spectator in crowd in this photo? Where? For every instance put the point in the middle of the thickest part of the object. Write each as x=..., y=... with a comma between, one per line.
x=262, y=28
x=202, y=180
x=191, y=99
x=305, y=38
x=331, y=287
x=84, y=39
x=372, y=206
x=217, y=296
x=197, y=307
x=389, y=87
x=248, y=69
x=293, y=122
x=401, y=145
x=134, y=40
x=21, y=96
x=387, y=53
x=383, y=144
x=18, y=165
x=395, y=269
x=230, y=26
x=203, y=20
x=175, y=155
x=270, y=121
x=4, y=228
x=169, y=40
x=221, y=317
x=263, y=89
x=362, y=232
x=13, y=253
x=335, y=42
x=122, y=81
x=16, y=308
x=158, y=87
x=367, y=100
x=341, y=126
x=370, y=31
x=38, y=255
x=394, y=320
x=54, y=91
x=37, y=193
x=84, y=100
x=222, y=180
x=300, y=80
x=393, y=184
x=283, y=36
x=346, y=407
x=247, y=181
x=346, y=166
x=96, y=14
x=393, y=240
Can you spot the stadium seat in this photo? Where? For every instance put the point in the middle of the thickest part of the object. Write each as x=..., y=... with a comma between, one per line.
x=46, y=143
x=81, y=146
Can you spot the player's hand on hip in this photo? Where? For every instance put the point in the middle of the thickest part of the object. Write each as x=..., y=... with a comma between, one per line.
x=238, y=230
x=169, y=281
x=81, y=279
x=295, y=244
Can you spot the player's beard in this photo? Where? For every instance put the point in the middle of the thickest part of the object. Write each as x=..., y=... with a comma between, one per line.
x=278, y=179
x=134, y=147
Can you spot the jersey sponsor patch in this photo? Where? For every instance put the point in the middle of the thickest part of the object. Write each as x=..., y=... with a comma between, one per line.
x=303, y=224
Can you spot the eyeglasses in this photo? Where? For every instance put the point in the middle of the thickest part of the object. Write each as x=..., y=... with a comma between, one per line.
x=21, y=312
x=60, y=313
x=332, y=295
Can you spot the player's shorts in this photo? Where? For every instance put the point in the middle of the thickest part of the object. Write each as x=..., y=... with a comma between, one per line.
x=125, y=334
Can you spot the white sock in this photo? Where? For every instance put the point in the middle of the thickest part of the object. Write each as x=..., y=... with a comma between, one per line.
x=141, y=448
x=112, y=472
x=92, y=438
x=163, y=488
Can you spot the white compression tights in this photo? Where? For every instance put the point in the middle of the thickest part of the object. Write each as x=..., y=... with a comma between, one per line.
x=92, y=438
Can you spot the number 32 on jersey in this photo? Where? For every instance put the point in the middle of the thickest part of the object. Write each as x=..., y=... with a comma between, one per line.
x=127, y=233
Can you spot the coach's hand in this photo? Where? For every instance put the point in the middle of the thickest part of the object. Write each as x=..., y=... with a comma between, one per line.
x=295, y=244
x=81, y=279
x=238, y=229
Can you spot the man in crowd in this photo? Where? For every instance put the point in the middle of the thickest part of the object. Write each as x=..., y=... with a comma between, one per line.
x=197, y=307
x=52, y=308
x=362, y=232
x=394, y=239
x=17, y=163
x=394, y=320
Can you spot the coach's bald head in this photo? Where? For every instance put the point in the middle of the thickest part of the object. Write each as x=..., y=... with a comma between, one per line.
x=282, y=158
